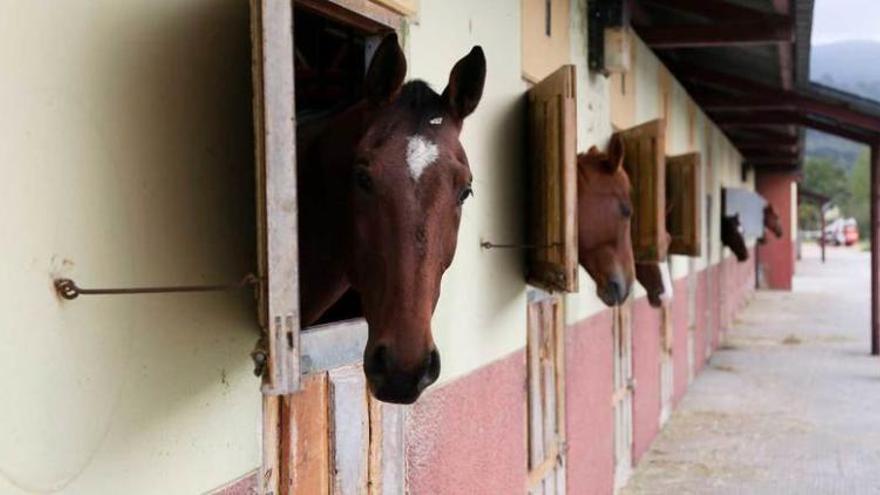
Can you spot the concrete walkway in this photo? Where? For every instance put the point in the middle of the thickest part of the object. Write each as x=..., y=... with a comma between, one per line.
x=791, y=401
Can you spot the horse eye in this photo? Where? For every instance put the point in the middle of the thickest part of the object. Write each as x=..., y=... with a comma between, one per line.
x=363, y=180
x=464, y=194
x=625, y=210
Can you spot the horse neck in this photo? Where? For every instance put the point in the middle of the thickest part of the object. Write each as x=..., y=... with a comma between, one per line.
x=324, y=166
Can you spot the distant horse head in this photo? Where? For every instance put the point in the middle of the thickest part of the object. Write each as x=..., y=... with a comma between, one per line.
x=604, y=211
x=399, y=182
x=772, y=221
x=732, y=237
x=656, y=280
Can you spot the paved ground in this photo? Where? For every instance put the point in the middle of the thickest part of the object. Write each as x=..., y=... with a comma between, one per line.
x=789, y=404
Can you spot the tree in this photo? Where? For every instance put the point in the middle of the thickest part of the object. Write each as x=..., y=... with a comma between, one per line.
x=859, y=204
x=823, y=176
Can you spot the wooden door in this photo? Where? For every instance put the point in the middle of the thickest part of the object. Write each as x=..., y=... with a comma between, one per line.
x=546, y=393
x=710, y=285
x=342, y=441
x=667, y=370
x=552, y=258
x=692, y=316
x=622, y=399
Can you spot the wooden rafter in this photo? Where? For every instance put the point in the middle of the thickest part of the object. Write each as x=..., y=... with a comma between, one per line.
x=714, y=9
x=751, y=96
x=753, y=119
x=718, y=34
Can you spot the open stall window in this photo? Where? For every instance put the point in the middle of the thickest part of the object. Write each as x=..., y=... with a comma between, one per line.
x=309, y=59
x=552, y=252
x=683, y=204
x=645, y=163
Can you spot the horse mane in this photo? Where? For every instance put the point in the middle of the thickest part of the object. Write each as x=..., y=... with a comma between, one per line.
x=420, y=100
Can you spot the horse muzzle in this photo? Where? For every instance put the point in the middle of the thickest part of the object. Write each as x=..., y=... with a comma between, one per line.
x=390, y=382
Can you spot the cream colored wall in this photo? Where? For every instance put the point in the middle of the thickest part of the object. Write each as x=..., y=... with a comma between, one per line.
x=127, y=160
x=481, y=315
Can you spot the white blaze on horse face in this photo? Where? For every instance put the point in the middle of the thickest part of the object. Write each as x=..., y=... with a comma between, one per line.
x=666, y=278
x=420, y=154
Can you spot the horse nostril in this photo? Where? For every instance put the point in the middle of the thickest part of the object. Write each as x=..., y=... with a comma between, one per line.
x=380, y=361
x=619, y=289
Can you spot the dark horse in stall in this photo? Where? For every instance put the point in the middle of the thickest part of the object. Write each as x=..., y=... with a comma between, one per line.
x=604, y=211
x=381, y=189
x=732, y=237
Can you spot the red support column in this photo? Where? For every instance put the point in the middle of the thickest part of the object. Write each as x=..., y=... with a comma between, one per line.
x=875, y=249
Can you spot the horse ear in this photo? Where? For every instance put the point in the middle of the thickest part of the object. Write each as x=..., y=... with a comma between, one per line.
x=615, y=153
x=387, y=71
x=466, y=83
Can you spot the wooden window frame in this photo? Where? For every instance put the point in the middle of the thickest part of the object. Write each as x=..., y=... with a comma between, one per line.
x=319, y=357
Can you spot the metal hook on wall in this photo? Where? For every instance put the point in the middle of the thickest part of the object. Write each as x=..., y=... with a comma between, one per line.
x=492, y=245
x=68, y=289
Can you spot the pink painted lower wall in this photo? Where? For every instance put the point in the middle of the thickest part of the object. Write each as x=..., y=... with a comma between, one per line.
x=589, y=419
x=472, y=432
x=469, y=435
x=680, y=324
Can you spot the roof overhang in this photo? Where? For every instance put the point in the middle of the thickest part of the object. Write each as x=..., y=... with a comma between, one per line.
x=747, y=64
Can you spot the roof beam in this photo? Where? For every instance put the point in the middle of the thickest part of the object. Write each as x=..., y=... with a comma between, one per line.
x=724, y=34
x=753, y=119
x=786, y=68
x=764, y=136
x=715, y=9
x=761, y=97
x=765, y=147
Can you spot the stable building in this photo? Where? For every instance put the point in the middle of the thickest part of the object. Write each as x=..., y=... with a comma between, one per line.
x=153, y=145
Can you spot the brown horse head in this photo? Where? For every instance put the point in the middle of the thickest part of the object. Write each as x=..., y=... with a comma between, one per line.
x=604, y=211
x=732, y=237
x=772, y=221
x=409, y=179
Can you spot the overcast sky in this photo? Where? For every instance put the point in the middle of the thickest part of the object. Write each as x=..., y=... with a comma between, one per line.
x=841, y=20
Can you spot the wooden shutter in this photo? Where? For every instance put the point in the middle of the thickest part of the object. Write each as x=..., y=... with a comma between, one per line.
x=645, y=163
x=553, y=173
x=546, y=382
x=683, y=202
x=274, y=127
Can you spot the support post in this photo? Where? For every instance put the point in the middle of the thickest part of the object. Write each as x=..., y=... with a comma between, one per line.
x=875, y=248
x=822, y=234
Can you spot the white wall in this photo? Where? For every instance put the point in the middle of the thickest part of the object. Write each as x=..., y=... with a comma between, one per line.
x=126, y=151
